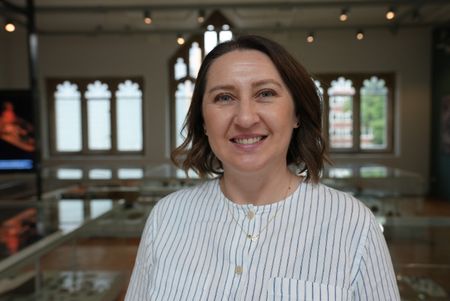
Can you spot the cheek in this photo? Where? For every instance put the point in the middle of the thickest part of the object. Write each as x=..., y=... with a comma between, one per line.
x=213, y=122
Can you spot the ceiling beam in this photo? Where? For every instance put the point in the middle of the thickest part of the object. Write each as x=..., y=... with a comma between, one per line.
x=230, y=5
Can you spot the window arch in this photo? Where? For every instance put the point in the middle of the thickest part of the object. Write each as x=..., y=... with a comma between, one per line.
x=359, y=109
x=92, y=116
x=184, y=67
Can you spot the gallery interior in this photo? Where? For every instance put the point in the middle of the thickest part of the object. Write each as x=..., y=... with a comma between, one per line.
x=93, y=96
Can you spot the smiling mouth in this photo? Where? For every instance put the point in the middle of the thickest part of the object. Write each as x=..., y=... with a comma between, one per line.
x=248, y=141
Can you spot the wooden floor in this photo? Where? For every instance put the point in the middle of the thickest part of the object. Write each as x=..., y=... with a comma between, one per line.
x=96, y=254
x=407, y=245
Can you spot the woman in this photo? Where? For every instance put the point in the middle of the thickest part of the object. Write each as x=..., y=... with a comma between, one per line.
x=258, y=231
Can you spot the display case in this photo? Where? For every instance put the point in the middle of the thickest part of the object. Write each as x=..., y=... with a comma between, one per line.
x=31, y=231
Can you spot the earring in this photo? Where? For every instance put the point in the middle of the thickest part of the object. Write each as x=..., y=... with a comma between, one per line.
x=297, y=125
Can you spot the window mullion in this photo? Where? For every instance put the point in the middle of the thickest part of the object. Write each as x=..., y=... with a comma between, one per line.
x=357, y=117
x=84, y=120
x=113, y=119
x=326, y=115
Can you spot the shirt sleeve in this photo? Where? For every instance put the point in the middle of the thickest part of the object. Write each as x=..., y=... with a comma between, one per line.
x=139, y=281
x=376, y=278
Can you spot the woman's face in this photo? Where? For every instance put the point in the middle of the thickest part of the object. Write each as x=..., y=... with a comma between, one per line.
x=248, y=112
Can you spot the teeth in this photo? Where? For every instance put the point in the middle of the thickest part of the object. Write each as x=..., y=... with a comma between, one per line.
x=248, y=140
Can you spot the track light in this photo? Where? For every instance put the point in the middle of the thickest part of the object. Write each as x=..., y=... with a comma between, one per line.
x=9, y=26
x=147, y=17
x=344, y=15
x=310, y=37
x=390, y=14
x=201, y=16
x=360, y=35
x=180, y=39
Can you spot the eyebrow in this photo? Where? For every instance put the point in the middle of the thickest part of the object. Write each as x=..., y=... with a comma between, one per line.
x=255, y=84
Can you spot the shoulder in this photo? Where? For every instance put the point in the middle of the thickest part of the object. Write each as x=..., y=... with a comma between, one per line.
x=195, y=196
x=343, y=207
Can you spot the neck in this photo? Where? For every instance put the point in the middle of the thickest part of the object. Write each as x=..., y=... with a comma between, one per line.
x=259, y=189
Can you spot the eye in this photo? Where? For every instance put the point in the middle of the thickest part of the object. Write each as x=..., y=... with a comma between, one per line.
x=223, y=98
x=267, y=93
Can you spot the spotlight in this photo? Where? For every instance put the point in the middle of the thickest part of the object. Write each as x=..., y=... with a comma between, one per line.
x=9, y=26
x=310, y=37
x=180, y=39
x=201, y=16
x=344, y=15
x=390, y=14
x=360, y=35
x=147, y=17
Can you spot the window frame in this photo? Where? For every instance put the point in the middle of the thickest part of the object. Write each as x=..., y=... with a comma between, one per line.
x=82, y=84
x=357, y=79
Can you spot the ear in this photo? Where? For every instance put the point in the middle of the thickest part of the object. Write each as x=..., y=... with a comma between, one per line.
x=297, y=123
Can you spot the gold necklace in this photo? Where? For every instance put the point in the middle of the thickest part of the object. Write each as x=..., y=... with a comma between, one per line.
x=254, y=237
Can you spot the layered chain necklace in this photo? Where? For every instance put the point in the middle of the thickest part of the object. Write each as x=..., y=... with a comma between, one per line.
x=255, y=236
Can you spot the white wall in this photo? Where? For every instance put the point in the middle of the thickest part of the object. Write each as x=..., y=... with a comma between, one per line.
x=406, y=53
x=13, y=60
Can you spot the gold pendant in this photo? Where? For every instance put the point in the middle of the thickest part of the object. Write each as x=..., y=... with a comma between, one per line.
x=252, y=237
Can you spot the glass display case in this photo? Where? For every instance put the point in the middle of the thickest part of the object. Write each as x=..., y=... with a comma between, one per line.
x=31, y=231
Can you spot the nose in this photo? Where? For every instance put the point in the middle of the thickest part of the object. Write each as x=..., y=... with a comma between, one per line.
x=246, y=114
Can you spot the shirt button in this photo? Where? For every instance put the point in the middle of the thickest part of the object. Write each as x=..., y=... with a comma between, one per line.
x=238, y=270
x=250, y=214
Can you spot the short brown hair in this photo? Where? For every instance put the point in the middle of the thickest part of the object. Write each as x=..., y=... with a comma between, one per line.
x=307, y=148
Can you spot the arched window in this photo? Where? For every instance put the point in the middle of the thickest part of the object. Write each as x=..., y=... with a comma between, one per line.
x=185, y=65
x=96, y=116
x=358, y=111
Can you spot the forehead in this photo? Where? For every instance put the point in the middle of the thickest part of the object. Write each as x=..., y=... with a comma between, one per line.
x=239, y=62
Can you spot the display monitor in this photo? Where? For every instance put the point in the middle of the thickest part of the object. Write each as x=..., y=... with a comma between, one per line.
x=17, y=140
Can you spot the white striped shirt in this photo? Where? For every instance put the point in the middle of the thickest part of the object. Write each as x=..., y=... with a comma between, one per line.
x=323, y=244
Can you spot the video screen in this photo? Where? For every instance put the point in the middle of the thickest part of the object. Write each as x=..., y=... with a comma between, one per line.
x=17, y=142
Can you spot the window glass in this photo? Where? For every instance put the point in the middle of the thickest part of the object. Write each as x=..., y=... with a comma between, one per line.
x=68, y=117
x=374, y=114
x=180, y=69
x=100, y=173
x=99, y=119
x=130, y=173
x=340, y=172
x=100, y=206
x=225, y=34
x=69, y=173
x=373, y=172
x=210, y=37
x=195, y=59
x=340, y=118
x=70, y=213
x=129, y=117
x=182, y=102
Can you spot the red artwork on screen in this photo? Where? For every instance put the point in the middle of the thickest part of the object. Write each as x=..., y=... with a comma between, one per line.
x=14, y=129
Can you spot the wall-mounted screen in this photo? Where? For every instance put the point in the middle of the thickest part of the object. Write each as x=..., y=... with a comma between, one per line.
x=17, y=141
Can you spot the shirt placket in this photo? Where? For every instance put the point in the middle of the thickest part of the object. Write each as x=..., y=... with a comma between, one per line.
x=250, y=217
